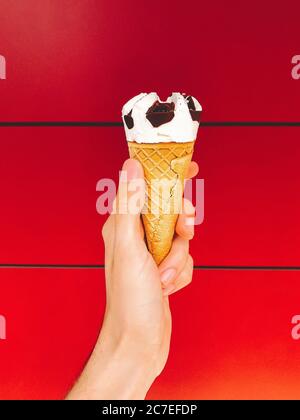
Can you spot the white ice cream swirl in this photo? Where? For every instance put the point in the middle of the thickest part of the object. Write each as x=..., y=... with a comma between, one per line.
x=149, y=120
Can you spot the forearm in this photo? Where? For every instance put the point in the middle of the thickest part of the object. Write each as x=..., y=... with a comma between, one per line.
x=119, y=373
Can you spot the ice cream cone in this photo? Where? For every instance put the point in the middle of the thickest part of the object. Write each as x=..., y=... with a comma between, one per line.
x=163, y=164
x=161, y=135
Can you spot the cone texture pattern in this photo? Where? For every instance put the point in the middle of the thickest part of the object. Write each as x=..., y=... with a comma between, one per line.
x=162, y=162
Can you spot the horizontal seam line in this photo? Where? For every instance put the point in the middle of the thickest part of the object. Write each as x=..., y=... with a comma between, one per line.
x=60, y=124
x=249, y=268
x=196, y=267
x=119, y=124
x=53, y=266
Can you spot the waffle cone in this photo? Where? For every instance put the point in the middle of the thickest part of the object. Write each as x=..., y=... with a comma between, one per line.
x=164, y=164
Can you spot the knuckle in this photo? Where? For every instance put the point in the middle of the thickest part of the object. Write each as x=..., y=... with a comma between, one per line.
x=105, y=230
x=181, y=246
x=188, y=207
x=190, y=278
x=187, y=278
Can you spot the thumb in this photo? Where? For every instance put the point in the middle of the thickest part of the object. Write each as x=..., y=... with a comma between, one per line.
x=130, y=198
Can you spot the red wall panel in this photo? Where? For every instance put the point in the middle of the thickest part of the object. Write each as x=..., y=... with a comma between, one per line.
x=231, y=334
x=232, y=338
x=72, y=60
x=81, y=60
x=48, y=190
x=53, y=318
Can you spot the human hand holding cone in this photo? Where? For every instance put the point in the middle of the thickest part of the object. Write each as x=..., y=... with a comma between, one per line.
x=161, y=136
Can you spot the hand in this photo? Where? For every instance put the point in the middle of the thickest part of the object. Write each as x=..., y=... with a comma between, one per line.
x=134, y=342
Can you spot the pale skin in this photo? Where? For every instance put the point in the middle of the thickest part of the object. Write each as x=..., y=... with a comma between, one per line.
x=133, y=345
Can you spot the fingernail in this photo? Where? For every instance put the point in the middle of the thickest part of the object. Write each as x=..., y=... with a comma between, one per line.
x=168, y=275
x=170, y=289
x=129, y=171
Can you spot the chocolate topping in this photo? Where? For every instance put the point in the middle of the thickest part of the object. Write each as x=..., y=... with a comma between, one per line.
x=195, y=115
x=129, y=120
x=191, y=103
x=192, y=108
x=160, y=113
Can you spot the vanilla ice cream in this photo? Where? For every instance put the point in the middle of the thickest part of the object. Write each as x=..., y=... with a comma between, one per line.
x=149, y=120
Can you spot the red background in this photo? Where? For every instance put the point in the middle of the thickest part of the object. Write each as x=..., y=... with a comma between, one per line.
x=71, y=60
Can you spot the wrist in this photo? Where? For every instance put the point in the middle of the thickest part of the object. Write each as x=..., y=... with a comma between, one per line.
x=130, y=346
x=133, y=362
x=116, y=370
